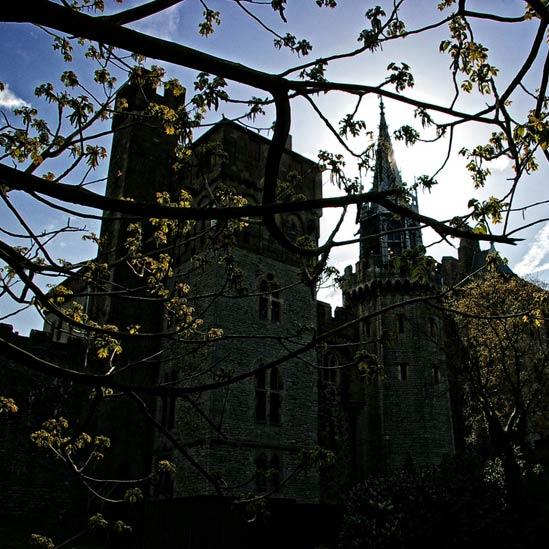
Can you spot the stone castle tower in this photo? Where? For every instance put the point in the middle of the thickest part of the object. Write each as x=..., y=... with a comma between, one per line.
x=406, y=415
x=251, y=434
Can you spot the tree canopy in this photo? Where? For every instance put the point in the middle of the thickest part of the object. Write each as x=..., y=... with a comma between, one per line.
x=501, y=324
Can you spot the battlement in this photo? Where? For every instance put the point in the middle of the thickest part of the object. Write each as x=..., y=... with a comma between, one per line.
x=369, y=276
x=38, y=340
x=364, y=272
x=141, y=90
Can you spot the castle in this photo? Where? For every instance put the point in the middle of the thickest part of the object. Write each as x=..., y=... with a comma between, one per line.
x=376, y=393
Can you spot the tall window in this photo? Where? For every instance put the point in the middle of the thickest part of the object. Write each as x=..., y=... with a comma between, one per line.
x=432, y=327
x=403, y=372
x=268, y=396
x=400, y=323
x=275, y=400
x=367, y=328
x=270, y=303
x=436, y=373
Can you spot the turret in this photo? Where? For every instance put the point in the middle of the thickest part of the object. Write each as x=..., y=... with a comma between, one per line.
x=406, y=415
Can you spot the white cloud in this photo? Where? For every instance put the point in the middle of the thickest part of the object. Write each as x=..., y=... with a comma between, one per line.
x=165, y=25
x=9, y=100
x=541, y=268
x=536, y=258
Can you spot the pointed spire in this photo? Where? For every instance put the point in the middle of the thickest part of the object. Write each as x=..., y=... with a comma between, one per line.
x=386, y=174
x=375, y=220
x=383, y=128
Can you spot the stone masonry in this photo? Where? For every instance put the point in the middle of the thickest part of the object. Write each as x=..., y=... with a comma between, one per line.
x=251, y=434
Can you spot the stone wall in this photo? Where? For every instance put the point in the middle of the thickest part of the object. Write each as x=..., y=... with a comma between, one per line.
x=240, y=437
x=32, y=482
x=407, y=418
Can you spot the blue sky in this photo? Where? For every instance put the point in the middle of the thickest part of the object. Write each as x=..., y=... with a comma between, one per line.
x=27, y=59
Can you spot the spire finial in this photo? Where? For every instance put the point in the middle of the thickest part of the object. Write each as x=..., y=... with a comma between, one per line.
x=381, y=106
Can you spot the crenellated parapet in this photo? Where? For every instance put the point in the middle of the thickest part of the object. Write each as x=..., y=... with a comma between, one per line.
x=366, y=278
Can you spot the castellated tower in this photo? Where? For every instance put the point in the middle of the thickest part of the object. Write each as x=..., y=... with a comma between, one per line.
x=248, y=436
x=406, y=417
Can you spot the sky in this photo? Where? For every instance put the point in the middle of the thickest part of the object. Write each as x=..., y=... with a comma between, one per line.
x=27, y=59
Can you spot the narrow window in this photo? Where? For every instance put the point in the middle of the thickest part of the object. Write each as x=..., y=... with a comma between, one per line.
x=260, y=397
x=400, y=322
x=275, y=401
x=403, y=372
x=367, y=328
x=436, y=373
x=268, y=397
x=432, y=327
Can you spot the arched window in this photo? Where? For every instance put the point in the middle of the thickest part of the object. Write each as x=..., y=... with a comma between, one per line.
x=270, y=303
x=268, y=396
